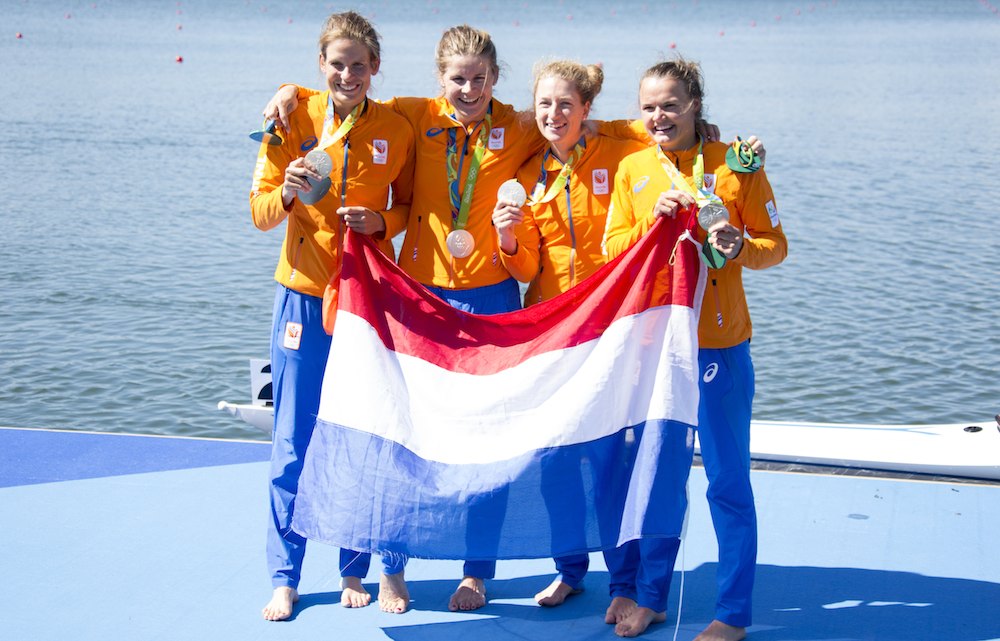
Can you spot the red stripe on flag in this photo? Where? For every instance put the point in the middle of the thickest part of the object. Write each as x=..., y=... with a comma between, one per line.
x=411, y=320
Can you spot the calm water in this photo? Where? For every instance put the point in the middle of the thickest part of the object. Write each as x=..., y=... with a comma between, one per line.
x=134, y=287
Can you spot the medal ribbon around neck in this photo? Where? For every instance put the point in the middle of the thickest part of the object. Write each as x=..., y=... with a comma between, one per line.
x=536, y=194
x=331, y=136
x=460, y=204
x=701, y=195
x=713, y=257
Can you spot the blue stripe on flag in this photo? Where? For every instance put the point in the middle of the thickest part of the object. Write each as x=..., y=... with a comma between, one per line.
x=366, y=493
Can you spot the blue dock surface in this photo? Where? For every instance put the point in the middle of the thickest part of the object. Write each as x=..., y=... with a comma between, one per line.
x=111, y=536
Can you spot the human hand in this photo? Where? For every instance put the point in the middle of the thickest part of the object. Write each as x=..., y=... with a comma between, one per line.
x=507, y=216
x=726, y=238
x=297, y=176
x=362, y=220
x=284, y=102
x=708, y=131
x=671, y=202
x=758, y=147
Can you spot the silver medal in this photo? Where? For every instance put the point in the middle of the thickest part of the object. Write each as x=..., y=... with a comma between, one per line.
x=512, y=192
x=317, y=189
x=460, y=243
x=320, y=161
x=711, y=213
x=322, y=164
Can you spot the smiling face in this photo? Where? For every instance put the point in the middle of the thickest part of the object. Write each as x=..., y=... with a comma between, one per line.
x=668, y=112
x=348, y=66
x=467, y=83
x=559, y=113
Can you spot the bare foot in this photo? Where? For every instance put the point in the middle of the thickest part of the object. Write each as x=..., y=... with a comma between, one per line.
x=470, y=595
x=392, y=594
x=638, y=621
x=279, y=607
x=619, y=610
x=719, y=631
x=556, y=594
x=354, y=595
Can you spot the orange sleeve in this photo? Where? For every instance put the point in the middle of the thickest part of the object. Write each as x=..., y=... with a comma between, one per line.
x=624, y=130
x=266, y=208
x=624, y=228
x=409, y=108
x=304, y=93
x=523, y=263
x=397, y=217
x=767, y=245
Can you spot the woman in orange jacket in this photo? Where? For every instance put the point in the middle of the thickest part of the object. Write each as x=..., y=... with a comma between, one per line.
x=682, y=175
x=340, y=155
x=553, y=241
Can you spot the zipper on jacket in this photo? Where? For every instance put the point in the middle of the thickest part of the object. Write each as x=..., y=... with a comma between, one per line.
x=343, y=174
x=718, y=305
x=572, y=236
x=416, y=242
x=295, y=260
x=341, y=226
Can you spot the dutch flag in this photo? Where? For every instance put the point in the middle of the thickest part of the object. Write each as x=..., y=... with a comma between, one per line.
x=563, y=428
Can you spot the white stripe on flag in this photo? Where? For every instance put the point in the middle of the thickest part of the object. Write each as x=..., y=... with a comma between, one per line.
x=569, y=396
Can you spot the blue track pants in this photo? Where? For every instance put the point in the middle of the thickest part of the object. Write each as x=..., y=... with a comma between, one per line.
x=299, y=350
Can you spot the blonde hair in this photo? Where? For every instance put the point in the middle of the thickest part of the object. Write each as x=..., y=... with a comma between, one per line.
x=464, y=40
x=350, y=26
x=686, y=72
x=587, y=79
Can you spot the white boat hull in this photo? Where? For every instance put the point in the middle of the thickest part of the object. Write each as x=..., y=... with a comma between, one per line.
x=970, y=450
x=260, y=416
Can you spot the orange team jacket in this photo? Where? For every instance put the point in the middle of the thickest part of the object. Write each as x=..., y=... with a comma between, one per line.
x=748, y=197
x=513, y=139
x=559, y=243
x=380, y=155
